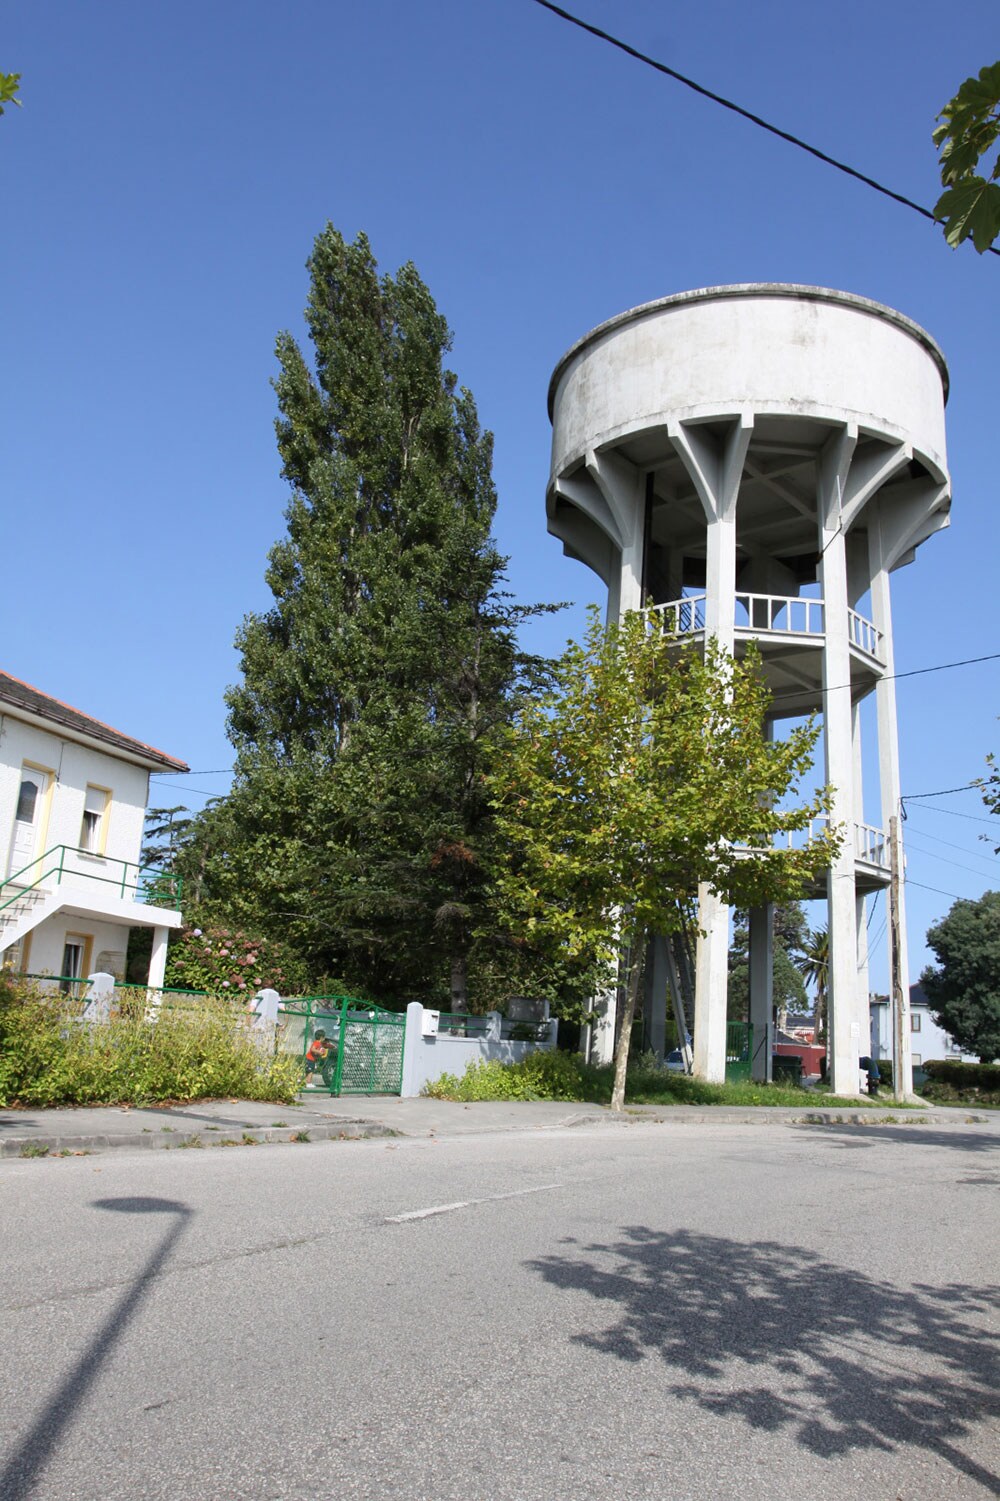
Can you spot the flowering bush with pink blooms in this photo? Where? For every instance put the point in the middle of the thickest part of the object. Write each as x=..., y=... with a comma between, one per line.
x=226, y=961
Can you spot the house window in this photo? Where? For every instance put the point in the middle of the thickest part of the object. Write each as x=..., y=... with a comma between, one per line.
x=77, y=949
x=15, y=958
x=26, y=800
x=93, y=830
x=914, y=1021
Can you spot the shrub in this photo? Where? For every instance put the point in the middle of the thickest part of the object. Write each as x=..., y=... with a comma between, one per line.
x=220, y=959
x=549, y=1075
x=50, y=1056
x=964, y=1075
x=951, y=1082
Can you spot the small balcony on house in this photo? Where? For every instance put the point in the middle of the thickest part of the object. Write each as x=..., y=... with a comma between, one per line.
x=80, y=883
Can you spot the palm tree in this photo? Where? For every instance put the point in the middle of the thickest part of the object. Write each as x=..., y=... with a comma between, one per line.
x=814, y=967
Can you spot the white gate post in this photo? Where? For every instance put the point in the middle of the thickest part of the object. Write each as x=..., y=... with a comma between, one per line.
x=99, y=997
x=412, y=1043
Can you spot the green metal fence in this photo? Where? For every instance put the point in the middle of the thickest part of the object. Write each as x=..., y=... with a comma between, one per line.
x=739, y=1056
x=364, y=1052
x=132, y=882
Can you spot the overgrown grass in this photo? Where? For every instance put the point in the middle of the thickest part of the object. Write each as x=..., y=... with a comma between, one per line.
x=565, y=1076
x=49, y=1056
x=951, y=1082
x=938, y=1092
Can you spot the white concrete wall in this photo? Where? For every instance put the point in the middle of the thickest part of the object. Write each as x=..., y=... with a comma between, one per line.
x=427, y=1058
x=73, y=766
x=42, y=952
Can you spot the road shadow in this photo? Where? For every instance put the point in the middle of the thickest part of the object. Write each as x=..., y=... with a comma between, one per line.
x=949, y=1137
x=783, y=1340
x=23, y=1470
x=17, y=1122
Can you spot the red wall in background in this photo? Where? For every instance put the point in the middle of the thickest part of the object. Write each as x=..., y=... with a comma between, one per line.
x=810, y=1056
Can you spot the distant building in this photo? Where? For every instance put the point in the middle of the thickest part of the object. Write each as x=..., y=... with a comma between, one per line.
x=73, y=796
x=928, y=1041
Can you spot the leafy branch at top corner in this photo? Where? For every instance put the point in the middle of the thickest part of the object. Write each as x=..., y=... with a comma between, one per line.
x=969, y=208
x=9, y=83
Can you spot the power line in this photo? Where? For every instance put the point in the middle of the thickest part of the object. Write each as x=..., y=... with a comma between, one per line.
x=937, y=890
x=952, y=813
x=198, y=791
x=931, y=855
x=874, y=942
x=886, y=677
x=218, y=771
x=737, y=109
x=962, y=848
x=786, y=693
x=912, y=797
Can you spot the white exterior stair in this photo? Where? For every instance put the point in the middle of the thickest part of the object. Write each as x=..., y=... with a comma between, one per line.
x=30, y=909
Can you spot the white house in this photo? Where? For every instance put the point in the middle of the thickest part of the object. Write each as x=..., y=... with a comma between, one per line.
x=73, y=796
x=928, y=1041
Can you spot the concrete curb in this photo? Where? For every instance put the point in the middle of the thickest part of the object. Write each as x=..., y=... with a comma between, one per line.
x=45, y=1141
x=56, y=1146
x=761, y=1115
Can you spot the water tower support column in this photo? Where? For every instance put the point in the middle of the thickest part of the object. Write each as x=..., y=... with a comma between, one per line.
x=838, y=727
x=716, y=470
x=761, y=920
x=888, y=763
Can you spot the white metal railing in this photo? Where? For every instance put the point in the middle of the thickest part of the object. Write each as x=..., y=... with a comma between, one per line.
x=871, y=845
x=864, y=635
x=681, y=617
x=787, y=614
x=797, y=839
x=771, y=614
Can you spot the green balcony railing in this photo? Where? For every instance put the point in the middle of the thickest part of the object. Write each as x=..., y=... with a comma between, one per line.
x=64, y=864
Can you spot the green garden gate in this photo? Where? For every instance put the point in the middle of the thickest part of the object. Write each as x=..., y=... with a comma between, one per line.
x=739, y=1062
x=366, y=1043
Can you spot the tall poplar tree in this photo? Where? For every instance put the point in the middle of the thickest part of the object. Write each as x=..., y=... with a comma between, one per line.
x=358, y=823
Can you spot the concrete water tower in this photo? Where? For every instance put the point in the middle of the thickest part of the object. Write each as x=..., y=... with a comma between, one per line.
x=763, y=457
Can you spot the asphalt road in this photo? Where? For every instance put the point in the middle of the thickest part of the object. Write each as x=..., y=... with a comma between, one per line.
x=620, y=1312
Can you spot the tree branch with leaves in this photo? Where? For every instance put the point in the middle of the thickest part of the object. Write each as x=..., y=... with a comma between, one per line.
x=9, y=85
x=969, y=207
x=642, y=774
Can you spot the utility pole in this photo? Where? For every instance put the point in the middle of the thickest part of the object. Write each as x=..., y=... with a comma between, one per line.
x=902, y=1072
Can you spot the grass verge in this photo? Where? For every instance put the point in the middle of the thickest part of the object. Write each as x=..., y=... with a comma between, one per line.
x=565, y=1076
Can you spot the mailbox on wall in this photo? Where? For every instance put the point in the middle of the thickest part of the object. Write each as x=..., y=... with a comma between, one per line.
x=429, y=1027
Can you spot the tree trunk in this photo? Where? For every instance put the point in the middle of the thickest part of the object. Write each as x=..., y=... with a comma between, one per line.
x=459, y=983
x=625, y=1035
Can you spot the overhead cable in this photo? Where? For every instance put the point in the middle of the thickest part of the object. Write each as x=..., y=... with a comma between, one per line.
x=912, y=797
x=937, y=890
x=737, y=109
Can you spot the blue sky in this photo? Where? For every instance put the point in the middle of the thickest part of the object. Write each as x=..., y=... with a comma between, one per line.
x=161, y=189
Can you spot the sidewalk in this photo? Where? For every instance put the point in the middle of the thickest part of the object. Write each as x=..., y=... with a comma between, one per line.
x=38, y=1133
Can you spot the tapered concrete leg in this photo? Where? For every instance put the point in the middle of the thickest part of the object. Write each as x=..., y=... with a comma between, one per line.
x=864, y=1005
x=711, y=983
x=602, y=1030
x=656, y=997
x=762, y=990
x=838, y=739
